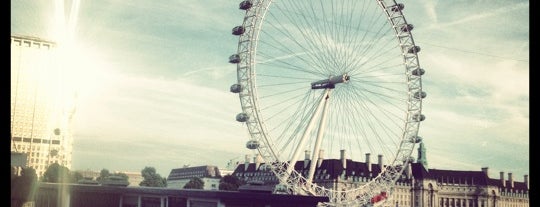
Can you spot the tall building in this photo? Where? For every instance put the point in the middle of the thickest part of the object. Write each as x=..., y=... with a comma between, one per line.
x=419, y=186
x=40, y=115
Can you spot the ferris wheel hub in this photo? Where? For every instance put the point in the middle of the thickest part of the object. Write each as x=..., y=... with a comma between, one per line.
x=330, y=82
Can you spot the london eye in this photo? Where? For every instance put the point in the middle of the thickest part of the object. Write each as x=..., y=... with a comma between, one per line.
x=324, y=77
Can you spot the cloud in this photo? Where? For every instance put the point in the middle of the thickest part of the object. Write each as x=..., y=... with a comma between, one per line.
x=211, y=73
x=430, y=10
x=156, y=82
x=133, y=156
x=147, y=115
x=167, y=99
x=461, y=12
x=476, y=109
x=499, y=77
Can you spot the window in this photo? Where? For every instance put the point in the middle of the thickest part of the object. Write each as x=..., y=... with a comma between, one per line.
x=177, y=202
x=130, y=201
x=150, y=202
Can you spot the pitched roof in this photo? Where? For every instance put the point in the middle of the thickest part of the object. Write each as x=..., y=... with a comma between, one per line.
x=334, y=168
x=205, y=171
x=457, y=176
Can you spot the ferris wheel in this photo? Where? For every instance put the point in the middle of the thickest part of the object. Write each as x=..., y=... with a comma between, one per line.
x=324, y=77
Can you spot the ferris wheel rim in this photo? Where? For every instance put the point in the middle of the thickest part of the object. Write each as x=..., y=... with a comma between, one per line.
x=247, y=48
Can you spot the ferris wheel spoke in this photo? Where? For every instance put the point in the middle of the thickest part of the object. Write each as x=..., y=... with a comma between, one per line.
x=372, y=106
x=373, y=127
x=297, y=122
x=292, y=37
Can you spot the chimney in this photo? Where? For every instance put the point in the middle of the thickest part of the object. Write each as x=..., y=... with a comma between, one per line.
x=257, y=161
x=321, y=157
x=246, y=163
x=526, y=181
x=485, y=170
x=503, y=182
x=343, y=160
x=511, y=180
x=380, y=162
x=306, y=159
x=368, y=162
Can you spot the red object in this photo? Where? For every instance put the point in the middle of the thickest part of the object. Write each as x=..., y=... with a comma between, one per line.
x=379, y=197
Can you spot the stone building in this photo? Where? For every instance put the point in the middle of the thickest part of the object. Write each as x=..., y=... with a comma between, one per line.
x=419, y=186
x=179, y=177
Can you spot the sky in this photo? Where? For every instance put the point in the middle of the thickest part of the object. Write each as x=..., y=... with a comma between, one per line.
x=153, y=78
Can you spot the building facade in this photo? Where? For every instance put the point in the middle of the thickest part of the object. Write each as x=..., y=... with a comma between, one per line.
x=40, y=118
x=76, y=195
x=418, y=186
x=209, y=174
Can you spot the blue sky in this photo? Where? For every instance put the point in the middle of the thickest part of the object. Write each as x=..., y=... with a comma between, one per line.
x=153, y=82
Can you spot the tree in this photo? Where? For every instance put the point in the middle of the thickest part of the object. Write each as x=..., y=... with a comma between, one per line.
x=230, y=182
x=194, y=183
x=121, y=174
x=104, y=173
x=151, y=178
x=76, y=176
x=57, y=173
x=23, y=188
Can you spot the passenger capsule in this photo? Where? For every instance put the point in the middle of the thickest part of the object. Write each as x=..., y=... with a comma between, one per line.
x=420, y=94
x=414, y=50
x=397, y=7
x=418, y=72
x=407, y=28
x=419, y=117
x=236, y=88
x=234, y=58
x=238, y=30
x=242, y=117
x=415, y=139
x=252, y=144
x=245, y=5
x=398, y=167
